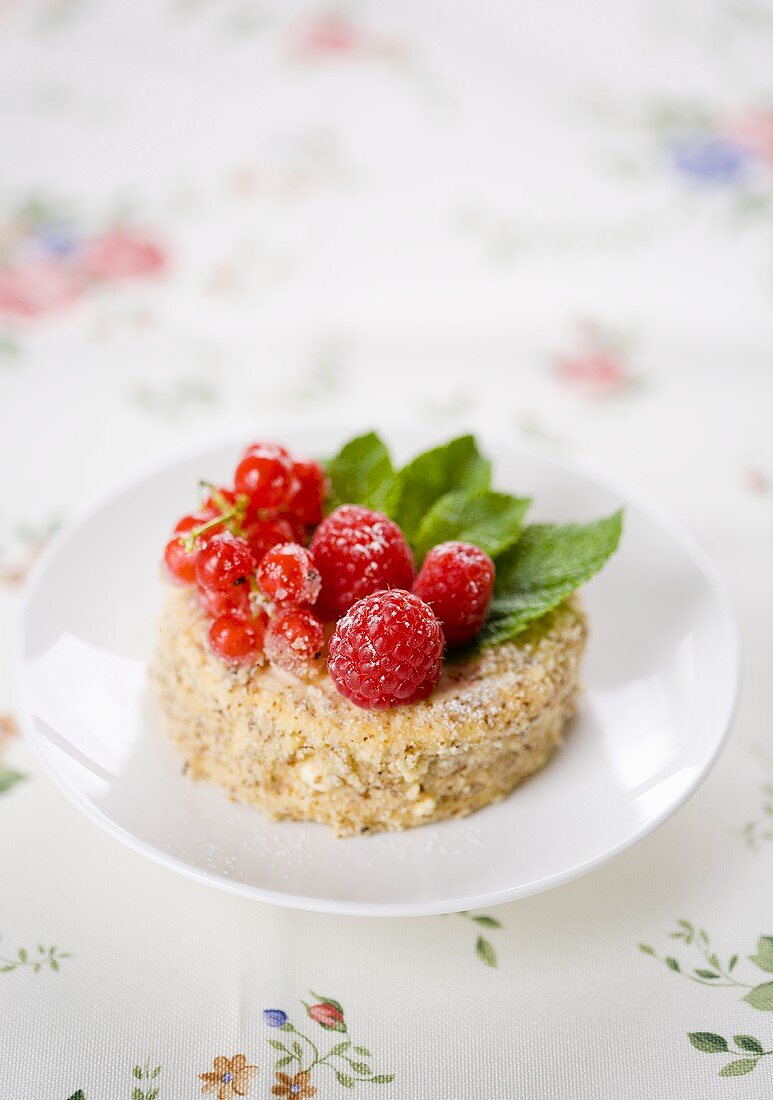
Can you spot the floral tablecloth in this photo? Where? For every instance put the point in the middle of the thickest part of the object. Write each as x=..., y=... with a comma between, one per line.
x=551, y=220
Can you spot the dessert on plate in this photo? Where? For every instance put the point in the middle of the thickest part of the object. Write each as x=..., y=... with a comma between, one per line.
x=367, y=646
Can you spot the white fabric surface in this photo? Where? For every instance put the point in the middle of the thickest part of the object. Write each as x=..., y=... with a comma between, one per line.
x=553, y=221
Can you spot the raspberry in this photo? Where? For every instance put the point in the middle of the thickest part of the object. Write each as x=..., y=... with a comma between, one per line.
x=294, y=640
x=457, y=580
x=357, y=552
x=387, y=650
x=306, y=505
x=288, y=576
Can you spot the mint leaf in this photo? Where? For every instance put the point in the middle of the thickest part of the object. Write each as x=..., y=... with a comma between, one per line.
x=487, y=519
x=361, y=472
x=455, y=465
x=544, y=567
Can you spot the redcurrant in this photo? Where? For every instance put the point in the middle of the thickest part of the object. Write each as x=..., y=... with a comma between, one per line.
x=224, y=561
x=288, y=576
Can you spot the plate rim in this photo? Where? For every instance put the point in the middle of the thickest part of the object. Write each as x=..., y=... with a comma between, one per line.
x=577, y=463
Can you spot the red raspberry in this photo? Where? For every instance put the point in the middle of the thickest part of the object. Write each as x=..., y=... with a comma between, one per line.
x=357, y=552
x=457, y=581
x=387, y=650
x=262, y=534
x=237, y=640
x=288, y=576
x=294, y=640
x=307, y=503
x=266, y=476
x=224, y=561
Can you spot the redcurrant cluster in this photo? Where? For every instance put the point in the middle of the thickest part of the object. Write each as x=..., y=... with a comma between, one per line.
x=261, y=558
x=245, y=552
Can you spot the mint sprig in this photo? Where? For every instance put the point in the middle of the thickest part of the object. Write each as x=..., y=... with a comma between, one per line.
x=361, y=473
x=545, y=566
x=428, y=477
x=444, y=494
x=489, y=520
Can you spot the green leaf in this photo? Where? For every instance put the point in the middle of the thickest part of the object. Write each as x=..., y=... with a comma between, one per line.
x=761, y=997
x=707, y=1041
x=360, y=1067
x=363, y=1051
x=137, y=1094
x=8, y=778
x=284, y=1061
x=360, y=473
x=454, y=465
x=672, y=964
x=382, y=1079
x=645, y=947
x=155, y=1073
x=485, y=951
x=544, y=567
x=22, y=953
x=347, y=1082
x=151, y=1095
x=53, y=964
x=137, y=1072
x=341, y=1047
x=79, y=1095
x=706, y=974
x=328, y=1001
x=276, y=1044
x=733, y=961
x=748, y=1042
x=297, y=1048
x=488, y=922
x=764, y=957
x=737, y=1069
x=487, y=519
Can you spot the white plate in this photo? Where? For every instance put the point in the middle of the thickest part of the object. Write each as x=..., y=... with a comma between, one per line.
x=661, y=675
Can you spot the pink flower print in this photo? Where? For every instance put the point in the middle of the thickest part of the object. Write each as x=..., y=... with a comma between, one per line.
x=329, y=34
x=753, y=132
x=35, y=286
x=596, y=369
x=122, y=254
x=332, y=35
x=757, y=481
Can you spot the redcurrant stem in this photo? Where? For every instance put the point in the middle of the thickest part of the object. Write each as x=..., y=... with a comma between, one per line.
x=189, y=540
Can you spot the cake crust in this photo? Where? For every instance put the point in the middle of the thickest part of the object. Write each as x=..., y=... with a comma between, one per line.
x=300, y=751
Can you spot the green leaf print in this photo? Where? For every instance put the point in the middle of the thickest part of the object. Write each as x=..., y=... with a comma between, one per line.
x=736, y=1069
x=707, y=1041
x=761, y=997
x=764, y=957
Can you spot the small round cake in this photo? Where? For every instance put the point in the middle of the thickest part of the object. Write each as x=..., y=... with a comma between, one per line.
x=299, y=750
